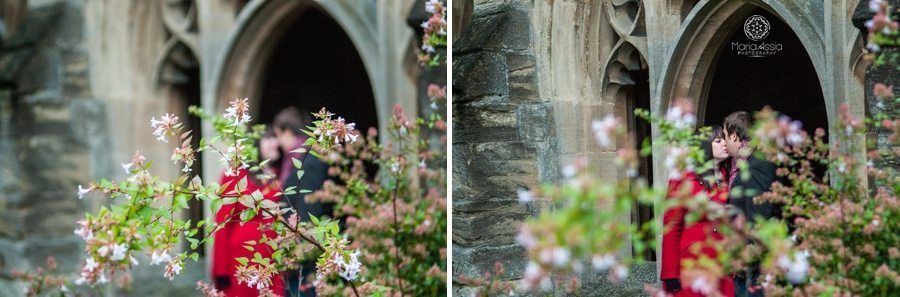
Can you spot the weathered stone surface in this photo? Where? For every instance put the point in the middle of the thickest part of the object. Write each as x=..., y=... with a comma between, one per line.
x=539, y=119
x=475, y=261
x=497, y=226
x=596, y=283
x=503, y=29
x=479, y=75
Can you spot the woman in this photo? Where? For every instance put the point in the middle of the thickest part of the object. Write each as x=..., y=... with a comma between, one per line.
x=230, y=241
x=683, y=242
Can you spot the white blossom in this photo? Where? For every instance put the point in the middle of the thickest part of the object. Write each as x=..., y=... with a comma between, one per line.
x=621, y=272
x=526, y=238
x=568, y=171
x=603, y=262
x=560, y=256
x=164, y=126
x=604, y=130
x=348, y=270
x=875, y=5
x=525, y=196
x=127, y=167
x=103, y=251
x=118, y=252
x=430, y=5
x=157, y=258
x=173, y=268
x=90, y=264
x=82, y=191
x=796, y=266
x=702, y=285
x=680, y=118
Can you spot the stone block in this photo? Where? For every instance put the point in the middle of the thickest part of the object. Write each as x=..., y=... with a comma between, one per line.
x=498, y=29
x=475, y=261
x=539, y=121
x=478, y=75
x=497, y=226
x=523, y=85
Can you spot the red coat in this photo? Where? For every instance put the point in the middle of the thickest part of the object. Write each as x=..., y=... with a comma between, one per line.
x=678, y=238
x=229, y=241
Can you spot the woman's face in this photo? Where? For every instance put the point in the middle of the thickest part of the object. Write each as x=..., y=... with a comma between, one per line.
x=719, y=150
x=268, y=148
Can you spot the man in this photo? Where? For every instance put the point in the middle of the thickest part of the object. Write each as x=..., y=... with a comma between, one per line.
x=761, y=175
x=288, y=124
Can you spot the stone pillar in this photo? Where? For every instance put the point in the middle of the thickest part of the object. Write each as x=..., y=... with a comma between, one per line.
x=504, y=139
x=52, y=136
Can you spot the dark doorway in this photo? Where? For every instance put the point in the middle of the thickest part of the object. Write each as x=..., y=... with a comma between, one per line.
x=316, y=65
x=638, y=96
x=785, y=80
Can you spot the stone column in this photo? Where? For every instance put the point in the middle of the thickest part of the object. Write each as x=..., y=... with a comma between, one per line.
x=52, y=138
x=503, y=139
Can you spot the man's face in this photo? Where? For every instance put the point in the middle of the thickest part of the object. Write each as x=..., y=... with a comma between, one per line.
x=286, y=138
x=732, y=145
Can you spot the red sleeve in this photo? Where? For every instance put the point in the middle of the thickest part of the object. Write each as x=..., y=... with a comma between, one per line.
x=221, y=252
x=673, y=224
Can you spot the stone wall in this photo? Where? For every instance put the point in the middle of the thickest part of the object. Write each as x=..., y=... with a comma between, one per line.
x=53, y=138
x=503, y=139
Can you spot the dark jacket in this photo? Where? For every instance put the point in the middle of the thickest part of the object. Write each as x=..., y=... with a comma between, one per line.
x=315, y=172
x=762, y=174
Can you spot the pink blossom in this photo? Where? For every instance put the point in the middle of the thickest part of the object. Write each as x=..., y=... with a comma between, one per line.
x=605, y=130
x=164, y=127
x=681, y=114
x=239, y=112
x=883, y=92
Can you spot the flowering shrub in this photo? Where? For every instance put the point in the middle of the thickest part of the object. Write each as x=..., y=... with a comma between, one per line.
x=839, y=232
x=399, y=216
x=145, y=220
x=435, y=33
x=42, y=280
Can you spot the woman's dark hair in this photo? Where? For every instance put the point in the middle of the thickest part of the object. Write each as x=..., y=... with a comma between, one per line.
x=717, y=132
x=253, y=176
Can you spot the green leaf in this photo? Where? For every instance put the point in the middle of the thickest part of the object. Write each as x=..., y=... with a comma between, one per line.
x=242, y=260
x=215, y=205
x=299, y=151
x=304, y=191
x=300, y=174
x=314, y=219
x=248, y=215
x=195, y=256
x=242, y=185
x=297, y=163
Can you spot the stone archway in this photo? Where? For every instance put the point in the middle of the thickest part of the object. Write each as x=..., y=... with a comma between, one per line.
x=710, y=24
x=241, y=68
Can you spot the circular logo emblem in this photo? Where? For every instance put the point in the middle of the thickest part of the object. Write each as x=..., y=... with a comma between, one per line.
x=756, y=27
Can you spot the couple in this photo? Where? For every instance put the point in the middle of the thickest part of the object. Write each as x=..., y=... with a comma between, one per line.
x=681, y=241
x=279, y=140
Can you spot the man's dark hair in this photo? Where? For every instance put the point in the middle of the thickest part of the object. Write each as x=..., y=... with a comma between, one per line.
x=292, y=119
x=740, y=123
